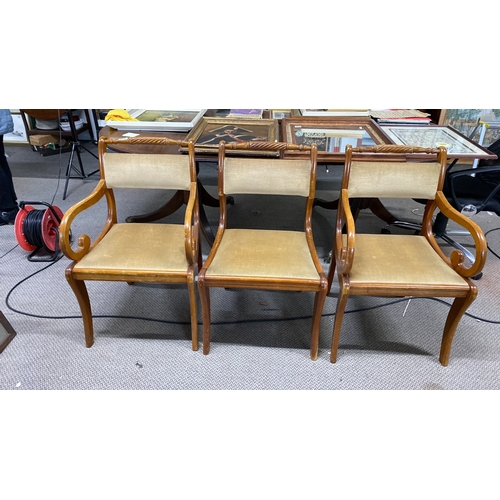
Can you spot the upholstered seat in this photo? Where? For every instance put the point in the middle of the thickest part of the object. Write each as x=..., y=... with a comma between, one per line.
x=123, y=252
x=245, y=253
x=269, y=259
x=136, y=252
x=382, y=261
x=400, y=265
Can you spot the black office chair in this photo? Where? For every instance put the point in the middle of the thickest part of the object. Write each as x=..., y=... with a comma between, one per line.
x=469, y=191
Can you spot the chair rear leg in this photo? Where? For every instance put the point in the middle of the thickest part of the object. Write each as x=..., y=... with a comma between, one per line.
x=339, y=315
x=331, y=272
x=458, y=308
x=205, y=309
x=193, y=312
x=319, y=301
x=80, y=291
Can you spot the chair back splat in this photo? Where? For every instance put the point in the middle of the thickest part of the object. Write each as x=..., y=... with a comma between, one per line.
x=400, y=265
x=271, y=258
x=136, y=252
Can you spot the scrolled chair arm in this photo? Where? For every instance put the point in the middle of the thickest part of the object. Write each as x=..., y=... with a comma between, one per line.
x=192, y=225
x=344, y=252
x=457, y=259
x=84, y=241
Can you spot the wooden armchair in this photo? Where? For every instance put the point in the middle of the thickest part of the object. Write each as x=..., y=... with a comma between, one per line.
x=400, y=265
x=264, y=258
x=136, y=252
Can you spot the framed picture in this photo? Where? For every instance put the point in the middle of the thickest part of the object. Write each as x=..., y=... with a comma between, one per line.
x=432, y=136
x=7, y=333
x=332, y=135
x=467, y=121
x=18, y=135
x=178, y=120
x=210, y=131
x=279, y=114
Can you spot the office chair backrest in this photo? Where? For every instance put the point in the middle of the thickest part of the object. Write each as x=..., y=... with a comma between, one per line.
x=393, y=179
x=148, y=171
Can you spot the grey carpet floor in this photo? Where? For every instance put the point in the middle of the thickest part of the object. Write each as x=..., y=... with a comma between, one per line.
x=260, y=340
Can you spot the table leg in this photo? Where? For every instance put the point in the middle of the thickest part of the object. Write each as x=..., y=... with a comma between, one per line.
x=169, y=208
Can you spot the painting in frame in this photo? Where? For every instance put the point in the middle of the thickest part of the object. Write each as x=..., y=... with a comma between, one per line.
x=210, y=131
x=279, y=114
x=152, y=120
x=433, y=136
x=332, y=135
x=466, y=121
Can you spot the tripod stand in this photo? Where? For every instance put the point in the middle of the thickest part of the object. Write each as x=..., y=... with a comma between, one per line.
x=75, y=147
x=57, y=130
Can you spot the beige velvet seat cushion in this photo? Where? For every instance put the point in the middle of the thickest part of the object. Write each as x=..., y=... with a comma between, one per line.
x=265, y=254
x=149, y=248
x=400, y=260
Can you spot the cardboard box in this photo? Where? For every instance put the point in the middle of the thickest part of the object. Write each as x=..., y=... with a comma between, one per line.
x=42, y=140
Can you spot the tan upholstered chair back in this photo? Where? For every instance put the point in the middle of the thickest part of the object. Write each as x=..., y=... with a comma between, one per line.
x=264, y=176
x=148, y=171
x=393, y=179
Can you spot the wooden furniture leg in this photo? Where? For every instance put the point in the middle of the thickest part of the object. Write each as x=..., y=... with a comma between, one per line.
x=458, y=308
x=80, y=291
x=169, y=208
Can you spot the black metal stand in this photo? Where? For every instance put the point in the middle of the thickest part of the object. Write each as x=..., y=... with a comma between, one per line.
x=75, y=147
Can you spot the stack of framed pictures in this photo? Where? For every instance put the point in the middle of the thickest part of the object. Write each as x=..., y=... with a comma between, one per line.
x=175, y=120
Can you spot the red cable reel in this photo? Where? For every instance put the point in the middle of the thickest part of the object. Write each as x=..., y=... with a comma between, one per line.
x=38, y=229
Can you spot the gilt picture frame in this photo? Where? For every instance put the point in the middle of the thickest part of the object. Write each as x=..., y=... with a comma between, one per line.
x=210, y=131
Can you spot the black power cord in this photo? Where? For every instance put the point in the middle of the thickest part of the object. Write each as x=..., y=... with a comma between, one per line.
x=296, y=318
x=488, y=232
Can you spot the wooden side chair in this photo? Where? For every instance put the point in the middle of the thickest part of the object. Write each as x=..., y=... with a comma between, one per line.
x=136, y=252
x=265, y=259
x=401, y=265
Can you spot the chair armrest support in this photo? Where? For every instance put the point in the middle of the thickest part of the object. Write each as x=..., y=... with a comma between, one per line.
x=192, y=225
x=344, y=254
x=84, y=241
x=457, y=257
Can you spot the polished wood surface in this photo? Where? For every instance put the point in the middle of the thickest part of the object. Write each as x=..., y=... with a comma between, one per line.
x=379, y=269
x=117, y=252
x=250, y=258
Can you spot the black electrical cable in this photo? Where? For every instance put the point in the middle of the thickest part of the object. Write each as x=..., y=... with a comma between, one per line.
x=405, y=299
x=60, y=163
x=489, y=248
x=8, y=251
x=32, y=228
